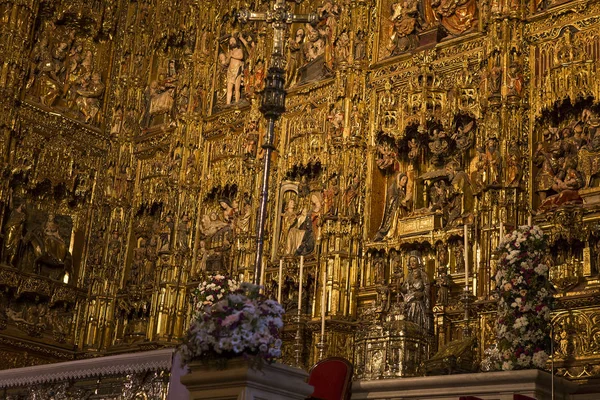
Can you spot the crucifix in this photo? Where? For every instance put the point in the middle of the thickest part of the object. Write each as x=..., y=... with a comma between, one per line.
x=273, y=102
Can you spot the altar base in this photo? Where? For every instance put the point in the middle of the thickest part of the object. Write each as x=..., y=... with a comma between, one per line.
x=487, y=386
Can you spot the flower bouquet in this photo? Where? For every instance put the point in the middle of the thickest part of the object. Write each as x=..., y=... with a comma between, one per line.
x=524, y=303
x=232, y=320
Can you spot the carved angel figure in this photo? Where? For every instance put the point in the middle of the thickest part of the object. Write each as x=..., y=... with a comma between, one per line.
x=464, y=136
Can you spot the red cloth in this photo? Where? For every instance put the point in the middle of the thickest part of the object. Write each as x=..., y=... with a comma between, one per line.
x=522, y=397
x=331, y=379
x=469, y=398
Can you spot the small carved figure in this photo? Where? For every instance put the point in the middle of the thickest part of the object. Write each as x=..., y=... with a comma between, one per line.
x=397, y=204
x=342, y=47
x=351, y=196
x=404, y=22
x=296, y=58
x=378, y=271
x=415, y=292
x=89, y=93
x=513, y=166
x=464, y=136
x=438, y=145
x=330, y=197
x=414, y=149
x=13, y=234
x=443, y=282
x=457, y=16
x=494, y=162
x=459, y=258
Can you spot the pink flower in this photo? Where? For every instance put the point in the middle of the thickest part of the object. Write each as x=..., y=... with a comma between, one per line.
x=231, y=319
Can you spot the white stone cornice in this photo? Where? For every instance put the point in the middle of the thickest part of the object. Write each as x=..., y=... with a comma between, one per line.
x=128, y=363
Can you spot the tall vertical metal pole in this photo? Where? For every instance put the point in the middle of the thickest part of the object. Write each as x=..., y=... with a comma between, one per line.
x=273, y=105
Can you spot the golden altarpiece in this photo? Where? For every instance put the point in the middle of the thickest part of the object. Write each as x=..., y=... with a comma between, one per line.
x=415, y=133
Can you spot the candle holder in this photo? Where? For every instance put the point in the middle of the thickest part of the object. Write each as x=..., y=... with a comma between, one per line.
x=298, y=342
x=322, y=347
x=467, y=298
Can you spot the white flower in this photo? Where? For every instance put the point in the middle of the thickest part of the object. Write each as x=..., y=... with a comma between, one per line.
x=507, y=365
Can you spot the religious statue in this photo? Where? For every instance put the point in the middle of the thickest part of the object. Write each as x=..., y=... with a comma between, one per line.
x=13, y=234
x=494, y=162
x=442, y=283
x=165, y=233
x=397, y=204
x=463, y=137
x=330, y=197
x=234, y=62
x=351, y=196
x=404, y=21
x=457, y=16
x=342, y=48
x=460, y=195
x=378, y=271
x=114, y=251
x=415, y=292
x=567, y=183
x=438, y=145
x=160, y=95
x=386, y=156
x=89, y=92
x=459, y=257
x=296, y=58
x=300, y=237
x=183, y=231
x=513, y=165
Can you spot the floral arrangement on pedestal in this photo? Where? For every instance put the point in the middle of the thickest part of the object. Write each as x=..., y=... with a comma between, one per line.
x=232, y=320
x=524, y=303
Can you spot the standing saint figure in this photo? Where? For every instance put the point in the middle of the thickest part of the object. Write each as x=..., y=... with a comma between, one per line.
x=397, y=203
x=415, y=292
x=234, y=61
x=13, y=234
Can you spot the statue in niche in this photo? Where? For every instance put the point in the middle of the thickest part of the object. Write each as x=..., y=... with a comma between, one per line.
x=89, y=93
x=514, y=165
x=386, y=156
x=160, y=95
x=494, y=162
x=233, y=61
x=300, y=237
x=456, y=16
x=356, y=121
x=351, y=196
x=495, y=75
x=546, y=158
x=463, y=137
x=288, y=218
x=415, y=292
x=330, y=197
x=138, y=265
x=397, y=205
x=360, y=52
x=378, y=271
x=114, y=251
x=438, y=145
x=515, y=78
x=459, y=257
x=165, y=233
x=245, y=213
x=404, y=17
x=438, y=195
x=342, y=48
x=13, y=235
x=443, y=283
x=414, y=149
x=296, y=57
x=460, y=196
x=336, y=122
x=183, y=231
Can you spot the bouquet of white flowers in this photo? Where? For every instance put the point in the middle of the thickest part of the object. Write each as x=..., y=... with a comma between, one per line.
x=232, y=320
x=524, y=304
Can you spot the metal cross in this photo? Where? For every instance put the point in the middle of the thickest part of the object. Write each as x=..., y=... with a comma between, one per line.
x=273, y=102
